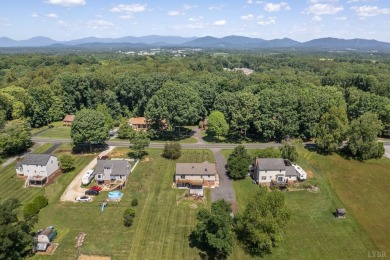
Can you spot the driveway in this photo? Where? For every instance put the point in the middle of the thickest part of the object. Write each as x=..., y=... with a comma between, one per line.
x=225, y=190
x=74, y=189
x=387, y=151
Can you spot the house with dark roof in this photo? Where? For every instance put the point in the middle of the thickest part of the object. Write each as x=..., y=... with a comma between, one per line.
x=37, y=167
x=274, y=171
x=68, y=119
x=196, y=175
x=112, y=171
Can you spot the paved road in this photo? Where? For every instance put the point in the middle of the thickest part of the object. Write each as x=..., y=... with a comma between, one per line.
x=387, y=151
x=74, y=189
x=225, y=190
x=161, y=145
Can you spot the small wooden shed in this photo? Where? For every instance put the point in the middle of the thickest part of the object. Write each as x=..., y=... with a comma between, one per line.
x=68, y=119
x=340, y=213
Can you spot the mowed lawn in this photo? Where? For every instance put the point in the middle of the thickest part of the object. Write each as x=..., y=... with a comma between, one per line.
x=314, y=233
x=59, y=131
x=161, y=227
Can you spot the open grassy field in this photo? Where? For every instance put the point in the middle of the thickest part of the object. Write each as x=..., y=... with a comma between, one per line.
x=314, y=233
x=161, y=227
x=57, y=132
x=42, y=148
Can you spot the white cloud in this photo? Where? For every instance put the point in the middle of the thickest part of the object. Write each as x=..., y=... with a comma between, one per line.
x=220, y=23
x=367, y=11
x=266, y=21
x=216, y=7
x=322, y=1
x=248, y=17
x=322, y=9
x=175, y=13
x=359, y=1
x=340, y=18
x=188, y=7
x=249, y=2
x=99, y=24
x=126, y=17
x=129, y=8
x=52, y=15
x=196, y=18
x=270, y=7
x=317, y=18
x=66, y=2
x=34, y=15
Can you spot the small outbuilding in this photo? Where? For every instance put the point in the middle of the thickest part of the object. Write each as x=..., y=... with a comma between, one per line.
x=47, y=235
x=340, y=213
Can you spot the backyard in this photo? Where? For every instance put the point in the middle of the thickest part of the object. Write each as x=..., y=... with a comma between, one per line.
x=161, y=227
x=313, y=231
x=59, y=131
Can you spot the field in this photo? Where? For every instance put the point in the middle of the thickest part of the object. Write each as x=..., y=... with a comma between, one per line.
x=161, y=227
x=42, y=148
x=57, y=132
x=314, y=233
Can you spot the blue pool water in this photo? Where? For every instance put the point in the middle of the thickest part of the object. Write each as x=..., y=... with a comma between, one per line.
x=115, y=195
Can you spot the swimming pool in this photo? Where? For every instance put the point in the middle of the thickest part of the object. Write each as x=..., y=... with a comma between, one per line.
x=115, y=195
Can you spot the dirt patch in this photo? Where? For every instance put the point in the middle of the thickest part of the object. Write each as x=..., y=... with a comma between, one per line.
x=310, y=174
x=119, y=154
x=93, y=257
x=147, y=159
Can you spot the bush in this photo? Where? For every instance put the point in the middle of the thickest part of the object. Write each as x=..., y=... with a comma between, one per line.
x=128, y=217
x=41, y=201
x=134, y=202
x=172, y=151
x=30, y=211
x=66, y=162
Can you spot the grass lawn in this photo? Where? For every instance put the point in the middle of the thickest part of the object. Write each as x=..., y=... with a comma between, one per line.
x=57, y=132
x=160, y=229
x=313, y=232
x=43, y=148
x=189, y=140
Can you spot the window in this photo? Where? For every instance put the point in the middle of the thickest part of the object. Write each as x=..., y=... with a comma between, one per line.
x=182, y=176
x=263, y=178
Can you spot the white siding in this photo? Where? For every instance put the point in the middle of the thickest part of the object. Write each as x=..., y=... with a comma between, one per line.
x=207, y=177
x=30, y=170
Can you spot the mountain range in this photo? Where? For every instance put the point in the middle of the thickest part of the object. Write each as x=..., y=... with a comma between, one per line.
x=228, y=42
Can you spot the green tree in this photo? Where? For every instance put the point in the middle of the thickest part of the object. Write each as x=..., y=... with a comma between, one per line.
x=15, y=137
x=217, y=125
x=237, y=168
x=90, y=127
x=244, y=111
x=172, y=151
x=332, y=129
x=128, y=217
x=241, y=152
x=177, y=104
x=67, y=162
x=213, y=233
x=363, y=143
x=15, y=238
x=56, y=110
x=125, y=131
x=262, y=224
x=139, y=143
x=288, y=151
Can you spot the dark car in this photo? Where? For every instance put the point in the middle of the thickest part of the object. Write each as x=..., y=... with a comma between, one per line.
x=92, y=192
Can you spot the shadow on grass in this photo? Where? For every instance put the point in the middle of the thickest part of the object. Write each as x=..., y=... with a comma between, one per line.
x=206, y=253
x=135, y=155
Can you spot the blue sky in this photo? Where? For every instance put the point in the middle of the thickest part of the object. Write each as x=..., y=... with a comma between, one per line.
x=299, y=19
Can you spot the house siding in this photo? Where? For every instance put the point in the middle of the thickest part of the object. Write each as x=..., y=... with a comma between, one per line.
x=30, y=170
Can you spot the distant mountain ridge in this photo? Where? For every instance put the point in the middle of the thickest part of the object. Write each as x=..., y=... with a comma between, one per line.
x=228, y=42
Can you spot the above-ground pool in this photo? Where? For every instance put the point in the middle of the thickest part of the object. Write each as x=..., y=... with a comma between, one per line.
x=115, y=195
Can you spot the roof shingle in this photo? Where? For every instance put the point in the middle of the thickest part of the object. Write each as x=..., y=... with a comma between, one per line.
x=195, y=168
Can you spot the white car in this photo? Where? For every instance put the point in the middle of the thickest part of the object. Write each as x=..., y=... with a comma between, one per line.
x=83, y=199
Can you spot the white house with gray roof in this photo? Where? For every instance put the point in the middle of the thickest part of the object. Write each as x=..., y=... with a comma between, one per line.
x=37, y=167
x=274, y=170
x=109, y=171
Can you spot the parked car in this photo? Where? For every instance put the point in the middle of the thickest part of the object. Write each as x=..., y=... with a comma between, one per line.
x=83, y=199
x=92, y=192
x=98, y=188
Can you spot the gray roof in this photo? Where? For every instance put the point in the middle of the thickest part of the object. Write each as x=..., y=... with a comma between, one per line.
x=118, y=167
x=270, y=164
x=195, y=168
x=290, y=170
x=341, y=211
x=35, y=159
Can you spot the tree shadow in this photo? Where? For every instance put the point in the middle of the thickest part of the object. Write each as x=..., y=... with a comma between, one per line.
x=135, y=155
x=206, y=253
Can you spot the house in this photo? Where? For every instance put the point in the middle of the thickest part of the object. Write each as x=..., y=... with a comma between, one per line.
x=68, y=119
x=47, y=235
x=139, y=123
x=196, y=175
x=112, y=172
x=340, y=213
x=37, y=167
x=274, y=171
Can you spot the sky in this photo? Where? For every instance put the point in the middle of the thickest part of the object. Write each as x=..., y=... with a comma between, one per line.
x=300, y=20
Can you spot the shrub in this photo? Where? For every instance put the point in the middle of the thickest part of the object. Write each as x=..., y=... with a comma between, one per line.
x=30, y=211
x=172, y=151
x=134, y=202
x=128, y=217
x=66, y=162
x=41, y=201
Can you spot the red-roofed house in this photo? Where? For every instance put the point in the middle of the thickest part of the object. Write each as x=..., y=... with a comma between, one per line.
x=68, y=119
x=139, y=123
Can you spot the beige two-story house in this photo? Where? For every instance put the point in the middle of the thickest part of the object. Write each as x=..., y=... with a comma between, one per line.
x=196, y=175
